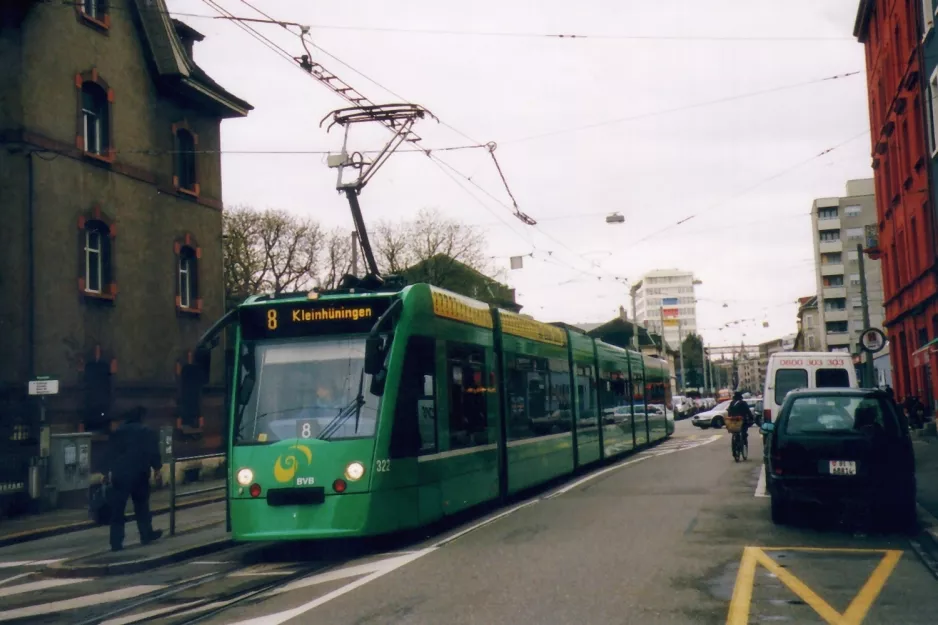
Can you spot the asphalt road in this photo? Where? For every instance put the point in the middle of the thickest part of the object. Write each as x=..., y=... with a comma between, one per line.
x=675, y=535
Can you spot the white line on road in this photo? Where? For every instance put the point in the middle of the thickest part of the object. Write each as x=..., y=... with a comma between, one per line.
x=283, y=617
x=642, y=456
x=40, y=585
x=27, y=563
x=78, y=602
x=760, y=487
x=15, y=577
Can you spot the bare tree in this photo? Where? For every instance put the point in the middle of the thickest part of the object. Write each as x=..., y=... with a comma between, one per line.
x=336, y=258
x=440, y=243
x=392, y=247
x=269, y=251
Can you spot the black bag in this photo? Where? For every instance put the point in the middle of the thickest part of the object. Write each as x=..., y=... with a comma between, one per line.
x=99, y=509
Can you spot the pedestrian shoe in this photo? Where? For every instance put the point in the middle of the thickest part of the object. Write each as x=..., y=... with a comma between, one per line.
x=153, y=537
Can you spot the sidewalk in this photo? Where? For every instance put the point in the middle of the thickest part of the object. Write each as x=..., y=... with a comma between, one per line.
x=87, y=552
x=32, y=527
x=926, y=470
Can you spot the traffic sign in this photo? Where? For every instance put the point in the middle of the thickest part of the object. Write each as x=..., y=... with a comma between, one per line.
x=43, y=385
x=872, y=340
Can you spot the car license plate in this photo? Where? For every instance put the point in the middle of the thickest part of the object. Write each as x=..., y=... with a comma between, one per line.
x=843, y=467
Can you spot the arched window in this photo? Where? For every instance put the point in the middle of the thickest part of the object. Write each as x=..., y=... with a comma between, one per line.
x=95, y=120
x=185, y=160
x=96, y=276
x=187, y=273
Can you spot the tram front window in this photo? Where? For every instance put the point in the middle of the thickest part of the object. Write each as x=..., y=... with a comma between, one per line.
x=304, y=389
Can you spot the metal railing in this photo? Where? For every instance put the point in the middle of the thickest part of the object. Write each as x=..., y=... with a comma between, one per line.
x=173, y=495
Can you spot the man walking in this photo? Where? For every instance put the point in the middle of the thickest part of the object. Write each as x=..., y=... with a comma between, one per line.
x=133, y=451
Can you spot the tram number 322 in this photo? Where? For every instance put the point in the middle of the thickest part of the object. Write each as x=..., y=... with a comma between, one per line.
x=383, y=466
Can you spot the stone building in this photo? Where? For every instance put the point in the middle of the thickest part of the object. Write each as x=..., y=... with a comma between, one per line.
x=110, y=191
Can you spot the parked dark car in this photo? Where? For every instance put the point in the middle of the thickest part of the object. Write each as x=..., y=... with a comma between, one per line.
x=847, y=446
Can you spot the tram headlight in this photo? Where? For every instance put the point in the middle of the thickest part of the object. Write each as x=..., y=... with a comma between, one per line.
x=354, y=471
x=245, y=476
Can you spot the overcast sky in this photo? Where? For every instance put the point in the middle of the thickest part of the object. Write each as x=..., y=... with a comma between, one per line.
x=584, y=127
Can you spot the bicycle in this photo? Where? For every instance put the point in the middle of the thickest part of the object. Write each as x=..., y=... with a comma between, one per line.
x=740, y=444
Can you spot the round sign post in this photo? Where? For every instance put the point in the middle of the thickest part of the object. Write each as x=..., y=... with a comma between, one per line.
x=872, y=340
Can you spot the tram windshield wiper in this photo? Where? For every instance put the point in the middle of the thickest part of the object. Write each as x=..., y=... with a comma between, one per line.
x=353, y=408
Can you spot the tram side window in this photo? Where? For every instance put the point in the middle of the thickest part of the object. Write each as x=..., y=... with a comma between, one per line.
x=586, y=396
x=529, y=396
x=612, y=395
x=414, y=429
x=559, y=408
x=468, y=393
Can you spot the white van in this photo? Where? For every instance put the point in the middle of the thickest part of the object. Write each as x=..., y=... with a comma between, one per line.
x=788, y=371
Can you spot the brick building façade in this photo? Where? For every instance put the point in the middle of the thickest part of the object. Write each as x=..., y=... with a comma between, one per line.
x=891, y=32
x=110, y=192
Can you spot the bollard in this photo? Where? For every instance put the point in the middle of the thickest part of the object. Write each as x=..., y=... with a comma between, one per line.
x=172, y=496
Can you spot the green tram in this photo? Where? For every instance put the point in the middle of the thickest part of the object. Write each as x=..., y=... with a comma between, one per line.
x=358, y=414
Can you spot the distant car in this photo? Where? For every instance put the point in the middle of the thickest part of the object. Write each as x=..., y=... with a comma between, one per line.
x=841, y=445
x=713, y=417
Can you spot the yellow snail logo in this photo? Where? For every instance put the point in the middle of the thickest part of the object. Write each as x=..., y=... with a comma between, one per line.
x=285, y=468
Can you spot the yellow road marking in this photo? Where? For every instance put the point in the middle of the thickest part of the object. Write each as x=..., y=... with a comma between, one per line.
x=742, y=592
x=871, y=589
x=856, y=611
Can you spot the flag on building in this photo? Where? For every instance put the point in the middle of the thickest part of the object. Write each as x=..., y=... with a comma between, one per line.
x=669, y=312
x=669, y=301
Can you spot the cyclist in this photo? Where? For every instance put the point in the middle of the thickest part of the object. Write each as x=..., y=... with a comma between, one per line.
x=739, y=407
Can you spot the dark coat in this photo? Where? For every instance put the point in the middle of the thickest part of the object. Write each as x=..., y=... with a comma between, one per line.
x=132, y=451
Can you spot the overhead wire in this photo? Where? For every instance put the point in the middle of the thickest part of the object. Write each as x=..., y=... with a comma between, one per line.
x=679, y=109
x=746, y=190
x=491, y=145
x=302, y=35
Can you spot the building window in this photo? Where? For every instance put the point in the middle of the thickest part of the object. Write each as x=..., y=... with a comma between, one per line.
x=853, y=211
x=854, y=234
x=810, y=342
x=827, y=213
x=854, y=279
x=94, y=118
x=188, y=255
x=95, y=9
x=933, y=106
x=837, y=327
x=94, y=265
x=852, y=255
x=95, y=244
x=856, y=301
x=833, y=281
x=186, y=275
x=93, y=134
x=830, y=235
x=185, y=173
x=833, y=258
x=93, y=13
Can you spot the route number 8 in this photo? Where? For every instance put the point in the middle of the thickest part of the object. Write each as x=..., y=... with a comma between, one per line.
x=272, y=319
x=306, y=431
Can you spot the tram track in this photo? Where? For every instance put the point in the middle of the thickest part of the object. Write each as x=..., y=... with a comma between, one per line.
x=152, y=607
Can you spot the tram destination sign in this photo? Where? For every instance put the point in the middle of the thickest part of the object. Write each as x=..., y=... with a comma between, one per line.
x=281, y=320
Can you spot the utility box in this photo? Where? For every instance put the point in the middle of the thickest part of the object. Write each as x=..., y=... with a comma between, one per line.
x=70, y=467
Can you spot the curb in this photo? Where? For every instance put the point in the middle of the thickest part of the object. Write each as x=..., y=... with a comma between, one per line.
x=925, y=544
x=58, y=530
x=73, y=569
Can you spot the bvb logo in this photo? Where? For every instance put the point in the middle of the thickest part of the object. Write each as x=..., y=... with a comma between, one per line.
x=285, y=468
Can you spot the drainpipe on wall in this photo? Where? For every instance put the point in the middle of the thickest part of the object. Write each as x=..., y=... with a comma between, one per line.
x=31, y=270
